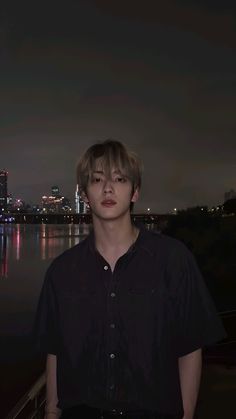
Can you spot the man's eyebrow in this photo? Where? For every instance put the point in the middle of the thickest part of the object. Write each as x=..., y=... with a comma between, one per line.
x=114, y=172
x=100, y=172
x=119, y=172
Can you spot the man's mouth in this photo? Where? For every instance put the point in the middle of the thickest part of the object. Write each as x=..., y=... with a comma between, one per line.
x=108, y=203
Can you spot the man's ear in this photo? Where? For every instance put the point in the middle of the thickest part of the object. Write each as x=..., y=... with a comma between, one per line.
x=135, y=195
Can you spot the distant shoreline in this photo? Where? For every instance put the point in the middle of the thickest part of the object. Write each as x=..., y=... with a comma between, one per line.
x=145, y=218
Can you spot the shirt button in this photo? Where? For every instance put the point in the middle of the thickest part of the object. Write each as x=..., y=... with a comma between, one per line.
x=105, y=267
x=112, y=356
x=112, y=326
x=113, y=294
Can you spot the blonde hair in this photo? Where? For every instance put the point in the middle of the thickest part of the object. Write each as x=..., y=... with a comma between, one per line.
x=110, y=155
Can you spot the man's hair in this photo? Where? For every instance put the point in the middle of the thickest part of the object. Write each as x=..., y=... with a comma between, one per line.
x=110, y=155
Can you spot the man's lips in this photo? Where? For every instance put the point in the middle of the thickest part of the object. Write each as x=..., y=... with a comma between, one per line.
x=108, y=203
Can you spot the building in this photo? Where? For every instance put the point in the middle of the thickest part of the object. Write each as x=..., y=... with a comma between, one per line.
x=52, y=204
x=80, y=205
x=55, y=204
x=230, y=195
x=3, y=189
x=9, y=201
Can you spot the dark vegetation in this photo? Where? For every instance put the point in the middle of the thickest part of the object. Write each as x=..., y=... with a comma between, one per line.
x=213, y=242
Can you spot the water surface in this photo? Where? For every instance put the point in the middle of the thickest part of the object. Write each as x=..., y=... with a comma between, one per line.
x=25, y=253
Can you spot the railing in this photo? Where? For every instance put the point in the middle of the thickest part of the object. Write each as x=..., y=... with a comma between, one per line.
x=31, y=405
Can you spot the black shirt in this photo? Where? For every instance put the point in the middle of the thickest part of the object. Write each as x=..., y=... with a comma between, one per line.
x=118, y=336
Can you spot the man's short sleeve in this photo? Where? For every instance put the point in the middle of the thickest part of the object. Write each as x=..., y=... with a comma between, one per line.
x=45, y=326
x=196, y=319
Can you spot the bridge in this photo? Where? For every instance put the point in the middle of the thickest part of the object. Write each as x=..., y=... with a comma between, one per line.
x=25, y=218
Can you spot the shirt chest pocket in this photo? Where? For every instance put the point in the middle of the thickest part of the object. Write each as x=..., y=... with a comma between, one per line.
x=142, y=291
x=139, y=301
x=144, y=301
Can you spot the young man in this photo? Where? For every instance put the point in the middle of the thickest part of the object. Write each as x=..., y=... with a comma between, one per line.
x=124, y=314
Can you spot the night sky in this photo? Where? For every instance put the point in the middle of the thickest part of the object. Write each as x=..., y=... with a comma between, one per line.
x=159, y=77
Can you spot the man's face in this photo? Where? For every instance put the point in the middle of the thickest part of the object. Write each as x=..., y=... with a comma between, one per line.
x=109, y=197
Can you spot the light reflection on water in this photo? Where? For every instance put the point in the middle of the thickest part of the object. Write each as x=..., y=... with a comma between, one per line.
x=48, y=240
x=25, y=253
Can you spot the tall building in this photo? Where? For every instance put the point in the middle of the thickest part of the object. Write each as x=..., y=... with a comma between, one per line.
x=80, y=206
x=55, y=191
x=3, y=189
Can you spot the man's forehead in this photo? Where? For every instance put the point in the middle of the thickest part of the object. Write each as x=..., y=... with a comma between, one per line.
x=99, y=168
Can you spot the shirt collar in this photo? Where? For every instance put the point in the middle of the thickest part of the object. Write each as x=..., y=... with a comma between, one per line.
x=142, y=242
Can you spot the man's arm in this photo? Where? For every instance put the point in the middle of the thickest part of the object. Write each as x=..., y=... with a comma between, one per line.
x=51, y=409
x=190, y=367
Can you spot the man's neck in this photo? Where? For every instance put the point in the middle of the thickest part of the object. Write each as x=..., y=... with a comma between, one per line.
x=114, y=238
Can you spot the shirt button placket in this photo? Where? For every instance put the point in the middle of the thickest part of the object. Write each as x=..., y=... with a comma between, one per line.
x=111, y=337
x=111, y=381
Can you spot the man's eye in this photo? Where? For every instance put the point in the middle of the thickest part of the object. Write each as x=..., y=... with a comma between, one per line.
x=120, y=179
x=96, y=179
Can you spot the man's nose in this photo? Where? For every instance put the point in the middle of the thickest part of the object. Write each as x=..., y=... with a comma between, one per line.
x=108, y=187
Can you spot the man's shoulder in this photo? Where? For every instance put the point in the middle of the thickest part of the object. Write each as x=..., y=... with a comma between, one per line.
x=158, y=241
x=70, y=256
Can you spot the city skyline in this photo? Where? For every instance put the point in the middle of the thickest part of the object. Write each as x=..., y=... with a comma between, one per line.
x=77, y=202
x=159, y=78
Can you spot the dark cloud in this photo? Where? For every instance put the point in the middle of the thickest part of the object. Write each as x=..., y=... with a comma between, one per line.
x=161, y=80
